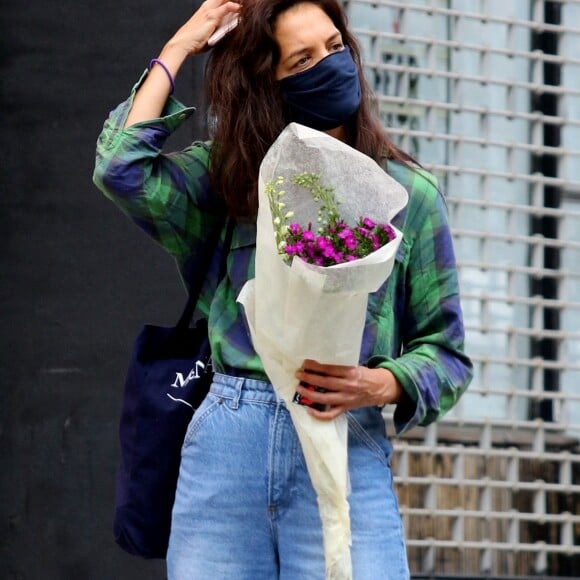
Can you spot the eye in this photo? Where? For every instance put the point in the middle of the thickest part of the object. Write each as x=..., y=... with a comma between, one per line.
x=337, y=47
x=302, y=62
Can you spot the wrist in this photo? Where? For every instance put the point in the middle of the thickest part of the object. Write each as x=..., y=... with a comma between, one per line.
x=391, y=391
x=176, y=49
x=173, y=56
x=399, y=392
x=170, y=78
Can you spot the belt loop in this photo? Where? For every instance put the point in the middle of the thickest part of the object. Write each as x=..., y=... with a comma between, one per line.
x=238, y=386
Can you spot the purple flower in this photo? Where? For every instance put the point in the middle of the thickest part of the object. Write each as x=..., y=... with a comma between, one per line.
x=328, y=251
x=389, y=231
x=337, y=242
x=351, y=243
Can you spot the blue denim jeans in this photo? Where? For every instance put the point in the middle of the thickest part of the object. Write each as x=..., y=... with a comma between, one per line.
x=245, y=508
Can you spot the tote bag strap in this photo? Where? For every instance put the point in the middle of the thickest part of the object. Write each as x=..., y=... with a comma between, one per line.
x=195, y=288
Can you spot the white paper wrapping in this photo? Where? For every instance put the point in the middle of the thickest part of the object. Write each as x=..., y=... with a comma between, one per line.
x=303, y=311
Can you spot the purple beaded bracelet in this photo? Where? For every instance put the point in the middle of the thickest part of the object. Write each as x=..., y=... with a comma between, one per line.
x=164, y=67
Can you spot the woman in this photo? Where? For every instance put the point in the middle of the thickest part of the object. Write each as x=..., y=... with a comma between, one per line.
x=245, y=507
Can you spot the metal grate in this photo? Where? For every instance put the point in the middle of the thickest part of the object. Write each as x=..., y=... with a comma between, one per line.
x=486, y=94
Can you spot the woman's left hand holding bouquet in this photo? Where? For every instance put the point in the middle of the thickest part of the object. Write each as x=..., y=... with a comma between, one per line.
x=344, y=388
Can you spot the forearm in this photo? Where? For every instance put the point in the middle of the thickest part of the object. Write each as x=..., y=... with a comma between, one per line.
x=151, y=97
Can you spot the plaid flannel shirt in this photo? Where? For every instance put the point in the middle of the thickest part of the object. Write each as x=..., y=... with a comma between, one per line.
x=414, y=323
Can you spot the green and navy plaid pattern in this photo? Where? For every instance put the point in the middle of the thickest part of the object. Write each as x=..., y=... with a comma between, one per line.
x=414, y=324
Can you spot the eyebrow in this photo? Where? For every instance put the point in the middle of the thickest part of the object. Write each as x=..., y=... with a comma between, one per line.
x=306, y=48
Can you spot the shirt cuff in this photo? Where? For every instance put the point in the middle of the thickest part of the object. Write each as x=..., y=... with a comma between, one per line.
x=174, y=112
x=173, y=115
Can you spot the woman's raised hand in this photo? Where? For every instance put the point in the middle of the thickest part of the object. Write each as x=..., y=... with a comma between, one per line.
x=192, y=37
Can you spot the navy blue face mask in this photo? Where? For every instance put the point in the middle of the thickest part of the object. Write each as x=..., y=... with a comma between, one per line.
x=325, y=96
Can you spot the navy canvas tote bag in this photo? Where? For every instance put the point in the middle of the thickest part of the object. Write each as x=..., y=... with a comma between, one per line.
x=162, y=389
x=169, y=374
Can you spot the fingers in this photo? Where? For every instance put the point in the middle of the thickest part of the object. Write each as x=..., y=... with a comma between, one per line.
x=322, y=402
x=193, y=36
x=218, y=11
x=327, y=415
x=331, y=377
x=325, y=369
x=224, y=8
x=335, y=389
x=225, y=20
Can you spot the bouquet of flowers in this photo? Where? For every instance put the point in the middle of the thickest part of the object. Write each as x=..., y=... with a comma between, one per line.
x=309, y=296
x=335, y=241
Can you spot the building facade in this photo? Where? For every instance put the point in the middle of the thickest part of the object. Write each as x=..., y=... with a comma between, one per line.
x=486, y=95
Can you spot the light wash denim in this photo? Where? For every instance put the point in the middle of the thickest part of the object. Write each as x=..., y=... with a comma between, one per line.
x=245, y=508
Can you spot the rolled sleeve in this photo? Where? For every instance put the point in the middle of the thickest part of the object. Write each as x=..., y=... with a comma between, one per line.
x=432, y=368
x=167, y=195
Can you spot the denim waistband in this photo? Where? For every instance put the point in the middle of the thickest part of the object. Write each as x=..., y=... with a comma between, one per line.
x=238, y=389
x=241, y=388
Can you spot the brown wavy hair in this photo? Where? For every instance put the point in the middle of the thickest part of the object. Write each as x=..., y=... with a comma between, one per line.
x=246, y=109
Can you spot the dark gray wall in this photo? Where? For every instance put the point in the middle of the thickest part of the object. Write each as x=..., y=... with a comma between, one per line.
x=77, y=280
